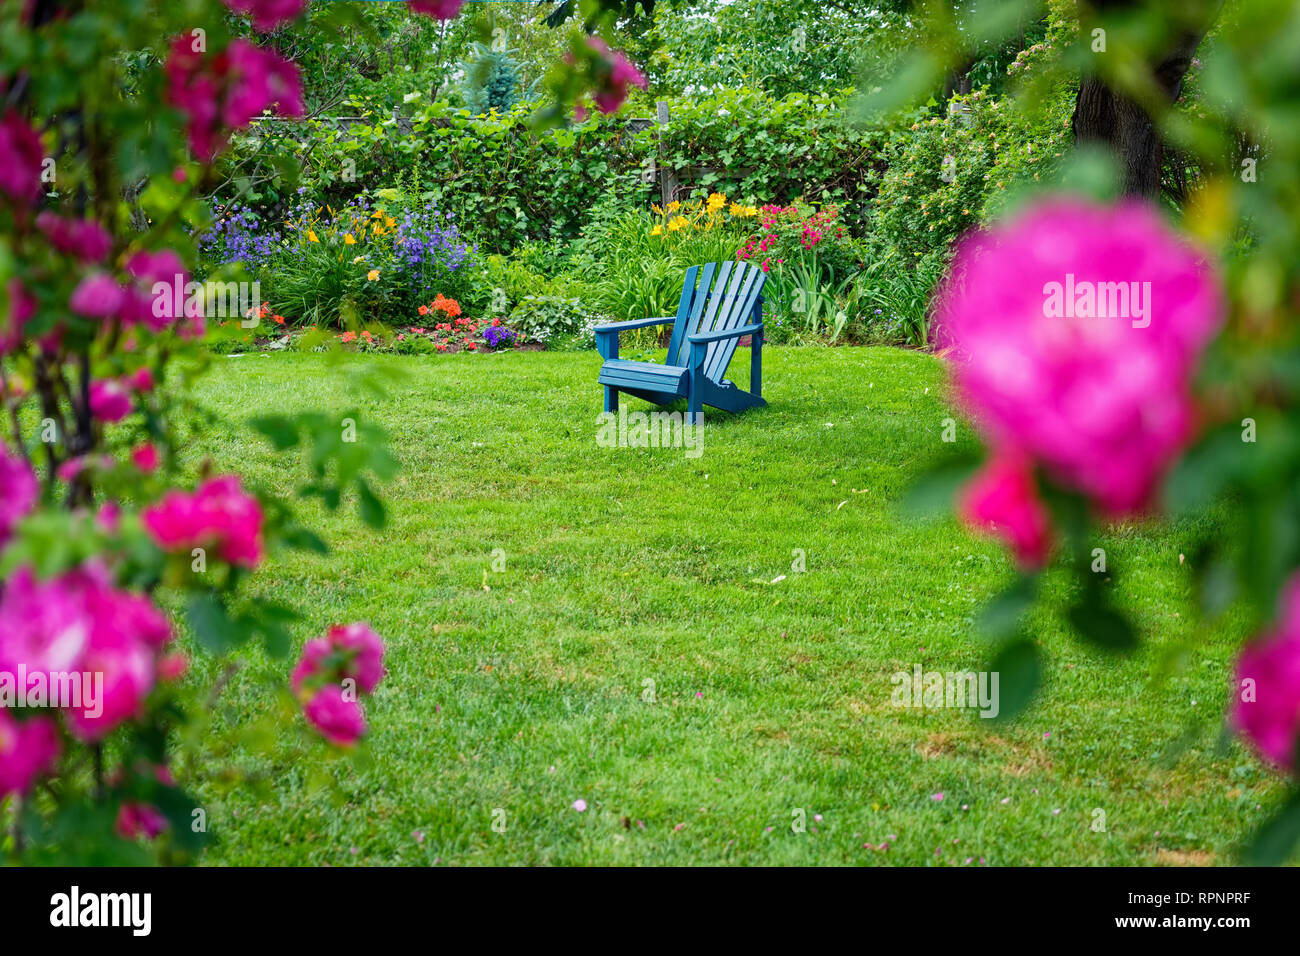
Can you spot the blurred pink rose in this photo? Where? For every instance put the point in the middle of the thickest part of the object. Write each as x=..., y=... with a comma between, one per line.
x=347, y=651
x=110, y=401
x=21, y=155
x=1270, y=718
x=97, y=296
x=136, y=820
x=1103, y=403
x=223, y=91
x=1003, y=499
x=218, y=514
x=440, y=9
x=21, y=308
x=18, y=492
x=268, y=14
x=44, y=625
x=141, y=380
x=145, y=457
x=338, y=719
x=28, y=749
x=85, y=239
x=617, y=75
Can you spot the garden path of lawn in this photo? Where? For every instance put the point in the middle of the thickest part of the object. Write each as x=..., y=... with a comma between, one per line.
x=629, y=566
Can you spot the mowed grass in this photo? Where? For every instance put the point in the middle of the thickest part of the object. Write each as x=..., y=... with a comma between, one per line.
x=629, y=570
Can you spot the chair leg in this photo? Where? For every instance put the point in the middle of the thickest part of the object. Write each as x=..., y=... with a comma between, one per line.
x=611, y=398
x=756, y=365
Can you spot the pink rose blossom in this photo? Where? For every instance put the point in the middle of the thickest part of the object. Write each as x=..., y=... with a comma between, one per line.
x=172, y=667
x=145, y=457
x=128, y=670
x=219, y=514
x=136, y=820
x=439, y=9
x=348, y=651
x=223, y=91
x=28, y=749
x=1003, y=499
x=141, y=380
x=97, y=296
x=1104, y=404
x=21, y=155
x=21, y=308
x=110, y=401
x=615, y=74
x=108, y=518
x=1271, y=719
x=18, y=492
x=268, y=14
x=44, y=625
x=338, y=719
x=85, y=239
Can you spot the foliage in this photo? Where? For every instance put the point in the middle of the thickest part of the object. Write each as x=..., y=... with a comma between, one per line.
x=109, y=521
x=553, y=321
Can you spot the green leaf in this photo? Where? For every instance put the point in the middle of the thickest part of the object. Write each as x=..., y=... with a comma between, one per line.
x=280, y=429
x=371, y=508
x=1001, y=615
x=305, y=540
x=1273, y=842
x=213, y=628
x=933, y=495
x=1019, y=669
x=1102, y=625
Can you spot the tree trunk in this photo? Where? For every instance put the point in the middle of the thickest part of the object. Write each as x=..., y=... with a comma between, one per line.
x=1117, y=122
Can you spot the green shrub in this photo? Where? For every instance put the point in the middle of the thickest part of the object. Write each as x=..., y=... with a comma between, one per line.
x=553, y=321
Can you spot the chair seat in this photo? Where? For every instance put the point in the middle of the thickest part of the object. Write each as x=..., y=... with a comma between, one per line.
x=646, y=376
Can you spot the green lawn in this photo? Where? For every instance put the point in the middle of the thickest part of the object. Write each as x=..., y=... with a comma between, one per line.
x=625, y=566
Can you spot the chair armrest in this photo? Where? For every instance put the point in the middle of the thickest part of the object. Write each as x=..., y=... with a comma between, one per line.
x=704, y=338
x=610, y=327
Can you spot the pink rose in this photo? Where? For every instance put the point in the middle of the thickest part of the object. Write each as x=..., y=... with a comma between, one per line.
x=136, y=820
x=351, y=651
x=97, y=296
x=145, y=457
x=223, y=91
x=219, y=514
x=18, y=492
x=1074, y=331
x=85, y=239
x=44, y=625
x=110, y=401
x=21, y=308
x=21, y=155
x=1267, y=710
x=1003, y=499
x=440, y=9
x=127, y=666
x=615, y=73
x=28, y=749
x=338, y=719
x=141, y=380
x=268, y=14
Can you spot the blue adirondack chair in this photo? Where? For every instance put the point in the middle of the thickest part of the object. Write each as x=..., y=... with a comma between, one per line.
x=716, y=299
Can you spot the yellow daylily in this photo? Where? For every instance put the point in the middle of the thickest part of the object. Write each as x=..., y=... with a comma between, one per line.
x=678, y=222
x=658, y=230
x=674, y=206
x=348, y=240
x=372, y=275
x=716, y=201
x=311, y=236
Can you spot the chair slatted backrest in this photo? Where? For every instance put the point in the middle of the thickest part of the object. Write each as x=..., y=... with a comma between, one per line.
x=724, y=298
